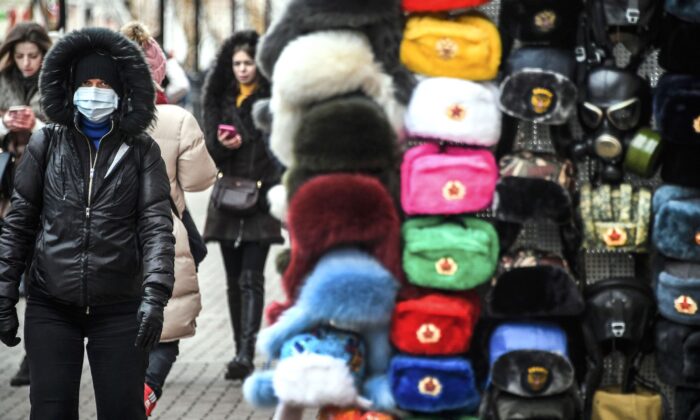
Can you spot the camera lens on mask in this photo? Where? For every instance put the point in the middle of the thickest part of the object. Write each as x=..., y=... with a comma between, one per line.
x=608, y=147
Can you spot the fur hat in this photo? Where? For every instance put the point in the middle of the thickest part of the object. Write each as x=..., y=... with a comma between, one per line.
x=553, y=293
x=435, y=324
x=137, y=32
x=677, y=108
x=434, y=254
x=550, y=22
x=467, y=47
x=378, y=20
x=539, y=85
x=688, y=10
x=676, y=231
x=335, y=210
x=352, y=291
x=678, y=292
x=320, y=66
x=678, y=52
x=520, y=199
x=679, y=164
x=677, y=353
x=533, y=373
x=520, y=335
x=431, y=385
x=137, y=104
x=454, y=110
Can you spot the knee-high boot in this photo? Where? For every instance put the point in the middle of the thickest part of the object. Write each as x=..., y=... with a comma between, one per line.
x=252, y=300
x=234, y=308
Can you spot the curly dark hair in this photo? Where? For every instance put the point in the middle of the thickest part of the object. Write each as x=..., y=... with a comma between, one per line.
x=23, y=32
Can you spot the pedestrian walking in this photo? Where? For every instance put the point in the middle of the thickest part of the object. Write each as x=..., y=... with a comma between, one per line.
x=91, y=196
x=231, y=88
x=191, y=169
x=23, y=53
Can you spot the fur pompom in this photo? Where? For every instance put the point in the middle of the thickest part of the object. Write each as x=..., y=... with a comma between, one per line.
x=137, y=32
x=314, y=380
x=277, y=198
x=262, y=116
x=258, y=389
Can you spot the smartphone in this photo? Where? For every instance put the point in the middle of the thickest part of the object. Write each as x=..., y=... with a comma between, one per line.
x=229, y=129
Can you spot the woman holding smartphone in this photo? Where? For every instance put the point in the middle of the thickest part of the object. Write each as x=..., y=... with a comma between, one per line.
x=231, y=88
x=22, y=54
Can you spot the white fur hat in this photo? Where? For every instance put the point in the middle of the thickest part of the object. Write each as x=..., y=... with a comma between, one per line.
x=320, y=66
x=455, y=110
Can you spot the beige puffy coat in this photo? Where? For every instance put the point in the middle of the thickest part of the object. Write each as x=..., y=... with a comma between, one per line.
x=191, y=169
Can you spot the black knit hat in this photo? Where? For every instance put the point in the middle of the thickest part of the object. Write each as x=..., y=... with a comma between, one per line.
x=97, y=65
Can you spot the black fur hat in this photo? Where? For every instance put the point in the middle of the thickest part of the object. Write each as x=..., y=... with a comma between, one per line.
x=677, y=108
x=379, y=20
x=137, y=103
x=678, y=46
x=677, y=353
x=679, y=164
x=548, y=22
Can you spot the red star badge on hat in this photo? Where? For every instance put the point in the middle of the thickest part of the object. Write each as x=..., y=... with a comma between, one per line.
x=428, y=334
x=446, y=266
x=615, y=237
x=685, y=305
x=430, y=386
x=456, y=112
x=454, y=190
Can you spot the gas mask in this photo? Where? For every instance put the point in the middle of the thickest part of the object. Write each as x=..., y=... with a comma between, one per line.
x=615, y=104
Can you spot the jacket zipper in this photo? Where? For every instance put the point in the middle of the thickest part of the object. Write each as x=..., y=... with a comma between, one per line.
x=87, y=209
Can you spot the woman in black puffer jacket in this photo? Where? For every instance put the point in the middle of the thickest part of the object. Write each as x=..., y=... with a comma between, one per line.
x=230, y=90
x=91, y=197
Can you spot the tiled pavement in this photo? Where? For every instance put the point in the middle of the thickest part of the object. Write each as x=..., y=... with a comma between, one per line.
x=195, y=388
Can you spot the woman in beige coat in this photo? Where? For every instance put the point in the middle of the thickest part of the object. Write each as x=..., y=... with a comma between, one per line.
x=191, y=169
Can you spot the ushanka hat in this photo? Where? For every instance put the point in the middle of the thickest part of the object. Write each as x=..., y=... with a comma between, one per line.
x=679, y=164
x=447, y=180
x=521, y=335
x=677, y=353
x=678, y=292
x=456, y=253
x=466, y=47
x=549, y=22
x=320, y=66
x=430, y=385
x=439, y=5
x=677, y=108
x=454, y=110
x=677, y=222
x=435, y=324
x=334, y=210
x=539, y=85
x=678, y=51
x=688, y=10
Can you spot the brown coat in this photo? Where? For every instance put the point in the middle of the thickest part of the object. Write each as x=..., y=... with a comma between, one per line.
x=190, y=168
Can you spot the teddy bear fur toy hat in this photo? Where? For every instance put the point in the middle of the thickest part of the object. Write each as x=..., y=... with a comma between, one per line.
x=378, y=20
x=320, y=66
x=335, y=210
x=351, y=290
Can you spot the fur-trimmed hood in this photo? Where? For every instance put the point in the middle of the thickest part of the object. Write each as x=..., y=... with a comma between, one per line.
x=137, y=106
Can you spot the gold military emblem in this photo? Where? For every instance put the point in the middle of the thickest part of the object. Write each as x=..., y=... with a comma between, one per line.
x=685, y=305
x=456, y=112
x=545, y=20
x=446, y=48
x=696, y=125
x=697, y=238
x=541, y=100
x=430, y=386
x=428, y=334
x=454, y=190
x=615, y=237
x=537, y=378
x=446, y=266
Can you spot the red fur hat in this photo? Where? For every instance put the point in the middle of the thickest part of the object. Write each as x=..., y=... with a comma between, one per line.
x=333, y=210
x=439, y=5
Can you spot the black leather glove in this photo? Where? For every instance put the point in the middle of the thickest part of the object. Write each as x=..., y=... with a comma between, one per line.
x=150, y=317
x=9, y=324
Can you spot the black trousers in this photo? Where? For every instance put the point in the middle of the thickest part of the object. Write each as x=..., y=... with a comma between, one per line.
x=160, y=362
x=55, y=341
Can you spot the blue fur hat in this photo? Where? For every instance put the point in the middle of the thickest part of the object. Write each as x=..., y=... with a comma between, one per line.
x=512, y=336
x=676, y=231
x=678, y=292
x=430, y=385
x=688, y=10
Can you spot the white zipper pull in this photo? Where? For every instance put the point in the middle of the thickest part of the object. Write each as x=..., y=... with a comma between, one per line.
x=87, y=212
x=87, y=310
x=92, y=172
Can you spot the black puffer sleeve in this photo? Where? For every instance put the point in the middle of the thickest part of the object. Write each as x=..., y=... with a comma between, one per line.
x=22, y=223
x=155, y=222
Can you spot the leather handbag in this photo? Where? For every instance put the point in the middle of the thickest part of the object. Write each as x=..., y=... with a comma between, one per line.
x=236, y=195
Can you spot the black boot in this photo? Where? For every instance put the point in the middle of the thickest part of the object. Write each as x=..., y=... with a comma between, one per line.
x=234, y=309
x=252, y=300
x=21, y=378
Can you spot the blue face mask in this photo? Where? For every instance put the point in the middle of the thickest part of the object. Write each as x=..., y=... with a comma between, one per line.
x=95, y=104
